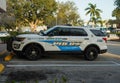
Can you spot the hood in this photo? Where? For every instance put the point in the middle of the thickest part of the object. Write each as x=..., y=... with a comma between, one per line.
x=29, y=35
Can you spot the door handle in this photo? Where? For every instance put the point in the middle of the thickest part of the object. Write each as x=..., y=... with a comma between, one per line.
x=86, y=38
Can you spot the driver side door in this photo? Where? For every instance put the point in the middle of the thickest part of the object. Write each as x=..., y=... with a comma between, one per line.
x=57, y=39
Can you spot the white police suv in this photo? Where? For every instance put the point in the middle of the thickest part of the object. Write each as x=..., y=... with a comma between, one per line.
x=88, y=41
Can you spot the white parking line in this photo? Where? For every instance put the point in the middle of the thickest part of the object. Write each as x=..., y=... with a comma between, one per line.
x=115, y=63
x=54, y=61
x=65, y=65
x=61, y=62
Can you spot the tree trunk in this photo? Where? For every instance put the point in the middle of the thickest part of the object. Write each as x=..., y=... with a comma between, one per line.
x=33, y=24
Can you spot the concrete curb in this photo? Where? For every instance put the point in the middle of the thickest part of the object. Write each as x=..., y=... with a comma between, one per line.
x=111, y=55
x=9, y=57
x=3, y=52
x=2, y=67
x=6, y=56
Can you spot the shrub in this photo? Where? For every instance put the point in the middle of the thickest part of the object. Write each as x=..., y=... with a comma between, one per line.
x=118, y=34
x=12, y=34
x=4, y=39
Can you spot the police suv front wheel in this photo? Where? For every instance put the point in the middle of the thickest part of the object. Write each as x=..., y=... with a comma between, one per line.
x=33, y=52
x=91, y=53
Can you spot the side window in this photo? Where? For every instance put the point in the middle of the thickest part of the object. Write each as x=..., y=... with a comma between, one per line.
x=59, y=31
x=54, y=32
x=64, y=32
x=78, y=32
x=97, y=32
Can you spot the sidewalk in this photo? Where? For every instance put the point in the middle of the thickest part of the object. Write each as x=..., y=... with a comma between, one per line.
x=2, y=47
x=3, y=50
x=111, y=55
x=113, y=37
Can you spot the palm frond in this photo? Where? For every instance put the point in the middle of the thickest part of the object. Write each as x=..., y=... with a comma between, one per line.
x=87, y=8
x=87, y=12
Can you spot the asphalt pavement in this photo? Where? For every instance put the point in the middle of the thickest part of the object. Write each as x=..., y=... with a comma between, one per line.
x=64, y=68
x=113, y=47
x=69, y=71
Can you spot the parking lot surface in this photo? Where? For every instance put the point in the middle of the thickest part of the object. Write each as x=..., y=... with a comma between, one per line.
x=70, y=67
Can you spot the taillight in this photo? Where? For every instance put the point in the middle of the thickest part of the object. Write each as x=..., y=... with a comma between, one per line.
x=105, y=39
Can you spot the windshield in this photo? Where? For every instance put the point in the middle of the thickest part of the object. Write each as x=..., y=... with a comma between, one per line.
x=47, y=31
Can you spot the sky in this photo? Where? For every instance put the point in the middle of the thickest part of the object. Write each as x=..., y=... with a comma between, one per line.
x=107, y=6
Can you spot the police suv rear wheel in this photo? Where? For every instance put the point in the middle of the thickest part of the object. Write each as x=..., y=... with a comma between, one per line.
x=33, y=52
x=91, y=53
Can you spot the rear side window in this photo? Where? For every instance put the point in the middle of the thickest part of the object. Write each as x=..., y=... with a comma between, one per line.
x=97, y=32
x=78, y=32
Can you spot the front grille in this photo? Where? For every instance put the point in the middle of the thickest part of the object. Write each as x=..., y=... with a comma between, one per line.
x=16, y=46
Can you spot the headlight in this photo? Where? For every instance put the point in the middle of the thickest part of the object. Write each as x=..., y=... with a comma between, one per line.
x=16, y=46
x=19, y=38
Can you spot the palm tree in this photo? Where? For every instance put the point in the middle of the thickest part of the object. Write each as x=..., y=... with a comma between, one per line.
x=116, y=13
x=117, y=3
x=94, y=13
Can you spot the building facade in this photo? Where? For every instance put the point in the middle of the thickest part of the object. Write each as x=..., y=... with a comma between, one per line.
x=2, y=6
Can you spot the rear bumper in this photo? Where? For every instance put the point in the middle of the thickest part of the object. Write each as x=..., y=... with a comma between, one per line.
x=103, y=51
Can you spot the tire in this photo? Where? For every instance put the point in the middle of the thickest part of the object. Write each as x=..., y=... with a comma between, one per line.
x=91, y=53
x=33, y=52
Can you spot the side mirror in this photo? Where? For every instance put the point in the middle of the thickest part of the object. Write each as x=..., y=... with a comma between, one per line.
x=51, y=34
x=42, y=32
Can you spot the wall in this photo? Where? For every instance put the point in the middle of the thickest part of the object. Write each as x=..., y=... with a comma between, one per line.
x=2, y=5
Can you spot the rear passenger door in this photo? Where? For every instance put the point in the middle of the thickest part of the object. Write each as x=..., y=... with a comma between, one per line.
x=77, y=37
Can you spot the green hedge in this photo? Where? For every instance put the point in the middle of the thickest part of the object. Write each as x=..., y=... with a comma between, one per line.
x=118, y=34
x=4, y=39
x=12, y=34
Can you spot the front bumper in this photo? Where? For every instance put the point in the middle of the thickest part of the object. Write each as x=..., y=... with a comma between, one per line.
x=9, y=44
x=103, y=51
